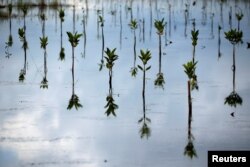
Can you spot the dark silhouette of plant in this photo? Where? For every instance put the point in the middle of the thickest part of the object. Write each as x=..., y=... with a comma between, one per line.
x=239, y=17
x=62, y=53
x=101, y=22
x=134, y=25
x=110, y=57
x=159, y=25
x=74, y=100
x=145, y=130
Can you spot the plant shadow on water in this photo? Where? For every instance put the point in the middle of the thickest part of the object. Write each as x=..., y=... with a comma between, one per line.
x=110, y=57
x=145, y=130
x=233, y=99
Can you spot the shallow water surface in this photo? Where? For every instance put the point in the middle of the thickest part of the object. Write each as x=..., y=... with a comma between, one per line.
x=38, y=127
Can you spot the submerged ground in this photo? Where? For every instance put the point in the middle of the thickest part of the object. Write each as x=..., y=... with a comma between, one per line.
x=40, y=125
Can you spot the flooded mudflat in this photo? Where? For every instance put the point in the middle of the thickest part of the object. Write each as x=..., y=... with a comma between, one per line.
x=123, y=83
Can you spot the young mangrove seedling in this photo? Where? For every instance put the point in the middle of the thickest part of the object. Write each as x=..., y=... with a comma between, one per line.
x=133, y=26
x=234, y=37
x=159, y=25
x=144, y=56
x=110, y=57
x=74, y=100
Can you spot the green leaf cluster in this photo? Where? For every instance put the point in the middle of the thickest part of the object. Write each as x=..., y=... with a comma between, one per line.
x=61, y=15
x=134, y=71
x=145, y=130
x=44, y=83
x=110, y=57
x=43, y=42
x=239, y=16
x=74, y=102
x=74, y=38
x=144, y=57
x=190, y=150
x=189, y=69
x=101, y=21
x=234, y=36
x=22, y=76
x=111, y=106
x=159, y=25
x=160, y=80
x=62, y=54
x=24, y=9
x=133, y=24
x=42, y=16
x=233, y=99
x=22, y=37
x=195, y=34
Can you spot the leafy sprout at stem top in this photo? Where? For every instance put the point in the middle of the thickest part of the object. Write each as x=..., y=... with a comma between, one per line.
x=133, y=24
x=101, y=21
x=74, y=38
x=234, y=36
x=159, y=25
x=61, y=14
x=44, y=42
x=110, y=58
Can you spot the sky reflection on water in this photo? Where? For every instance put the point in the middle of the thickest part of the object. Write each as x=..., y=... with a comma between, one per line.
x=38, y=130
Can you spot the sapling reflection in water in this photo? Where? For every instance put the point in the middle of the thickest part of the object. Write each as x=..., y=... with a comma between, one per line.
x=110, y=58
x=159, y=25
x=74, y=100
x=9, y=43
x=239, y=17
x=101, y=23
x=61, y=16
x=145, y=130
x=133, y=26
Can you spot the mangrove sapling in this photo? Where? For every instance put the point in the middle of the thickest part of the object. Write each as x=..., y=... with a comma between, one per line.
x=239, y=17
x=145, y=56
x=74, y=100
x=110, y=57
x=101, y=22
x=133, y=25
x=234, y=37
x=159, y=25
x=189, y=69
x=62, y=53
x=194, y=37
